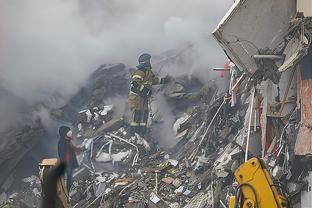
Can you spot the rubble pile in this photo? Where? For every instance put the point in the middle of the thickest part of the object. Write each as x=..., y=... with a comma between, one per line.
x=17, y=142
x=119, y=170
x=30, y=196
x=122, y=170
x=109, y=80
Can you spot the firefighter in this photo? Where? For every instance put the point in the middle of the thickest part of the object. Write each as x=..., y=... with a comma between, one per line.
x=142, y=80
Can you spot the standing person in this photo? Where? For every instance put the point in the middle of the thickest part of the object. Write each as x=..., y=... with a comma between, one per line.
x=227, y=104
x=67, y=153
x=142, y=80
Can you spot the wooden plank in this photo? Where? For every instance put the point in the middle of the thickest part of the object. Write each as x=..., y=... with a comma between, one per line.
x=239, y=82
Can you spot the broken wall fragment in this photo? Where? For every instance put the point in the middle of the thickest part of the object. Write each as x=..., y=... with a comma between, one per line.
x=304, y=140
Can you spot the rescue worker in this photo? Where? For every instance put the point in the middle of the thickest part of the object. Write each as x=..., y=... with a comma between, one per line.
x=142, y=80
x=67, y=153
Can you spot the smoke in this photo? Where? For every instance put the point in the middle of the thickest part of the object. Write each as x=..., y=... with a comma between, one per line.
x=163, y=131
x=49, y=48
x=52, y=46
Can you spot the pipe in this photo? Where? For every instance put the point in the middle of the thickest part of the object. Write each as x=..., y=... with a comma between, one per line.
x=255, y=124
x=268, y=57
x=223, y=205
x=249, y=124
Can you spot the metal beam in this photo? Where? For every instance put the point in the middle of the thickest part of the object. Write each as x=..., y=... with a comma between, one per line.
x=268, y=57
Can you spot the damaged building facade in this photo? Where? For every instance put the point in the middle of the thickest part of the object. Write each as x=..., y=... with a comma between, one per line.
x=270, y=42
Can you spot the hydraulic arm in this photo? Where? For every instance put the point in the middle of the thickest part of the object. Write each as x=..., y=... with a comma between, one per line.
x=256, y=188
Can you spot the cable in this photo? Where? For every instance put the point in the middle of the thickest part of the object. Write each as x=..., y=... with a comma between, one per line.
x=281, y=186
x=283, y=190
x=240, y=192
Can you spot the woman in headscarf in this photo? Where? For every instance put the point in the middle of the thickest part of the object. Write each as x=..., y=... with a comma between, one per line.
x=67, y=153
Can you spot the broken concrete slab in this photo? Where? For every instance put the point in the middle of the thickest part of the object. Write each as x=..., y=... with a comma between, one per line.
x=154, y=198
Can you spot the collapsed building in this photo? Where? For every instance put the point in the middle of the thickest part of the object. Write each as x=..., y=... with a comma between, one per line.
x=268, y=43
x=271, y=43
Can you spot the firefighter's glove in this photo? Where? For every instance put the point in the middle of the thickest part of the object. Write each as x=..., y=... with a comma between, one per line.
x=146, y=92
x=134, y=86
x=165, y=80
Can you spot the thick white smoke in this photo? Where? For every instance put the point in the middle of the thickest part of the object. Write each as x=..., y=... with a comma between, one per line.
x=51, y=46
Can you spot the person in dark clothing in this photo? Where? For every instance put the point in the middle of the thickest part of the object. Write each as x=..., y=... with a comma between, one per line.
x=227, y=104
x=67, y=153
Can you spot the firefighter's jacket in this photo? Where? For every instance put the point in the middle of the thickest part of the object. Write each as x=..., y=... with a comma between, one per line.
x=138, y=101
x=144, y=78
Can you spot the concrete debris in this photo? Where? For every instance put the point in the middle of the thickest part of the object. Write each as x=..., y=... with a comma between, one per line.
x=173, y=162
x=278, y=172
x=154, y=198
x=106, y=157
x=106, y=110
x=177, y=182
x=294, y=188
x=32, y=179
x=168, y=180
x=201, y=200
x=3, y=197
x=178, y=125
x=142, y=169
x=174, y=205
x=100, y=189
x=179, y=191
x=36, y=192
x=187, y=192
x=222, y=173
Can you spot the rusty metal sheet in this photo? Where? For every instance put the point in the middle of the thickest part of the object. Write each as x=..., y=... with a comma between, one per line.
x=304, y=141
